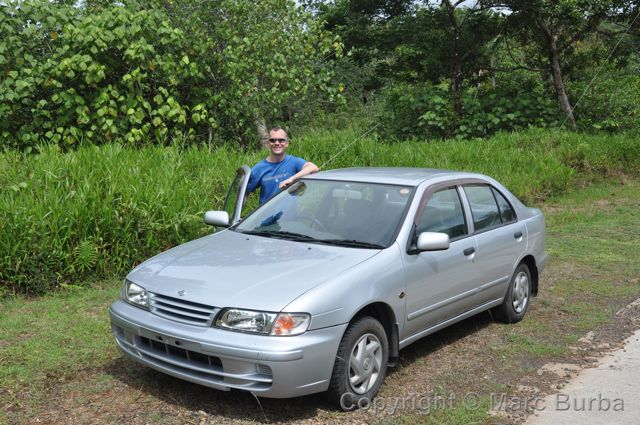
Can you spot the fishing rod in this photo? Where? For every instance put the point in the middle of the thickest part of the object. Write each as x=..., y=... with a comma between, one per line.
x=350, y=144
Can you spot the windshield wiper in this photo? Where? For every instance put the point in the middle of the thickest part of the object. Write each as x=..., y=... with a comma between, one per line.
x=280, y=235
x=350, y=243
x=304, y=238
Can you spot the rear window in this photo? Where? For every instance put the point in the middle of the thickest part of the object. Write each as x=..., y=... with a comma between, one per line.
x=484, y=208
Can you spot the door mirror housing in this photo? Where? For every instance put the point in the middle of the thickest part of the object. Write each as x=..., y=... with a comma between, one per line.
x=217, y=218
x=432, y=241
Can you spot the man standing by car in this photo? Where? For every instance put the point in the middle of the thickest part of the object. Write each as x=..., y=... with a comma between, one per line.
x=278, y=170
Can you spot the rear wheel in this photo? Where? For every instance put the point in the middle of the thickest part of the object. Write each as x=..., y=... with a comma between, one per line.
x=516, y=301
x=361, y=364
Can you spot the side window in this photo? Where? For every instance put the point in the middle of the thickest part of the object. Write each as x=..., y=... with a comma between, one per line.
x=483, y=206
x=506, y=210
x=443, y=213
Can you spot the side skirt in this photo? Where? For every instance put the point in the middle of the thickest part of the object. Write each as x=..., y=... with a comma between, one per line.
x=448, y=322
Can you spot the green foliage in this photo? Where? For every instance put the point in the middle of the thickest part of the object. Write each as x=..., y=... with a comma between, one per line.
x=610, y=101
x=134, y=73
x=425, y=111
x=97, y=211
x=417, y=111
x=113, y=74
x=473, y=47
x=488, y=110
x=269, y=58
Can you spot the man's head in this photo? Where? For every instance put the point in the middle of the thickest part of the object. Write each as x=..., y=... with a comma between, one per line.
x=278, y=141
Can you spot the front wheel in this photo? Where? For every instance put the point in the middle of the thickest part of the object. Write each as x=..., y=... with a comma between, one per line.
x=361, y=364
x=516, y=301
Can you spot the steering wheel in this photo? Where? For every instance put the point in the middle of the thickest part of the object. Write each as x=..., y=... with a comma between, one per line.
x=318, y=224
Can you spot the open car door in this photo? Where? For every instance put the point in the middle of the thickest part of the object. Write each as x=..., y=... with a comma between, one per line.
x=234, y=200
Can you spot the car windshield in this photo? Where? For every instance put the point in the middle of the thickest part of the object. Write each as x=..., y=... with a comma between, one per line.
x=353, y=214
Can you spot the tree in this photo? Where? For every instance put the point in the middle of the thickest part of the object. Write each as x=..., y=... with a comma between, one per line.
x=366, y=27
x=556, y=26
x=469, y=30
x=263, y=58
x=146, y=70
x=414, y=42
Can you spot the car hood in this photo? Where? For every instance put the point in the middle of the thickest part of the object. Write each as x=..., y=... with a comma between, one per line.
x=230, y=269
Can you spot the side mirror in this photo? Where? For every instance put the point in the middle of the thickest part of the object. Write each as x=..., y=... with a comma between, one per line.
x=217, y=218
x=431, y=241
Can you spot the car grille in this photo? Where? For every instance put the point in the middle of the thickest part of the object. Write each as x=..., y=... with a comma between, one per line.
x=194, y=365
x=179, y=354
x=181, y=310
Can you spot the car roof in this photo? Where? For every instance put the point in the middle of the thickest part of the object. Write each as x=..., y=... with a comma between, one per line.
x=390, y=175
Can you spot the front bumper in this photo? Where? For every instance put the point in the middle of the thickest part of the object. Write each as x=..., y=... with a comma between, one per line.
x=277, y=367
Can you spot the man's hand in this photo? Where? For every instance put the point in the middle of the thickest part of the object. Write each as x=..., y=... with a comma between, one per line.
x=307, y=168
x=286, y=183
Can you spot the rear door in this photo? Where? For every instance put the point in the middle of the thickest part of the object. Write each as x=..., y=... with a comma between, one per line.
x=501, y=239
x=234, y=201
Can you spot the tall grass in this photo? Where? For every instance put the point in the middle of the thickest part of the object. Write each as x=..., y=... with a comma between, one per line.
x=98, y=211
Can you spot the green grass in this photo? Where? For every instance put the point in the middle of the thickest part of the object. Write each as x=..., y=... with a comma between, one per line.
x=458, y=412
x=524, y=344
x=602, y=234
x=57, y=334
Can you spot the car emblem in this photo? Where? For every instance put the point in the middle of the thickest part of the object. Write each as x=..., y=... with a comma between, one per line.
x=181, y=293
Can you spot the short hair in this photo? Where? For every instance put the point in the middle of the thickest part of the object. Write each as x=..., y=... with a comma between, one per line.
x=280, y=128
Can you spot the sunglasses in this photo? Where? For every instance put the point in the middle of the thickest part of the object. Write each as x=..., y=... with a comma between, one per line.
x=278, y=141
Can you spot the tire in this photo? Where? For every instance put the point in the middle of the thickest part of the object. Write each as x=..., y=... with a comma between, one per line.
x=516, y=301
x=360, y=366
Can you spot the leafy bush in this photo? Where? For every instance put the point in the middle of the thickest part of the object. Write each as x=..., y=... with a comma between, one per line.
x=425, y=110
x=488, y=110
x=116, y=73
x=97, y=211
x=417, y=110
x=609, y=102
x=140, y=73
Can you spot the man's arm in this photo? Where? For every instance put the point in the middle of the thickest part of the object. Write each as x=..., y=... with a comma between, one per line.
x=307, y=168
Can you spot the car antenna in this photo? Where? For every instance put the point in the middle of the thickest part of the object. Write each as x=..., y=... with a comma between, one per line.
x=350, y=144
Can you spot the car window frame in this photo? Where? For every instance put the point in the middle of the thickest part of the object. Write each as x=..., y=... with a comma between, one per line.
x=402, y=220
x=422, y=203
x=425, y=201
x=495, y=190
x=491, y=188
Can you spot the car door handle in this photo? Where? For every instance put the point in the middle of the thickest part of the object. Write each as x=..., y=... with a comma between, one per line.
x=469, y=251
x=517, y=235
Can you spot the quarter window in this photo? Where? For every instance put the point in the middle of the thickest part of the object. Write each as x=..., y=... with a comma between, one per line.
x=443, y=213
x=506, y=210
x=483, y=206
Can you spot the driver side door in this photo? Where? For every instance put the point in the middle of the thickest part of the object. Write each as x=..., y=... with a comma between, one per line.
x=235, y=198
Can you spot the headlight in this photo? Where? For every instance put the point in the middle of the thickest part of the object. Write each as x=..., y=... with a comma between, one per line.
x=135, y=294
x=262, y=322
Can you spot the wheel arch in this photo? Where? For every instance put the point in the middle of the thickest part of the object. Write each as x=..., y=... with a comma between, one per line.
x=533, y=270
x=384, y=314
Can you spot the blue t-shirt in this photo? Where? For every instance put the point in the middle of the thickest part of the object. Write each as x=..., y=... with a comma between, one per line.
x=268, y=175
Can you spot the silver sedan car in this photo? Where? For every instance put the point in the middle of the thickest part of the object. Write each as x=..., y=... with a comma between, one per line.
x=319, y=289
